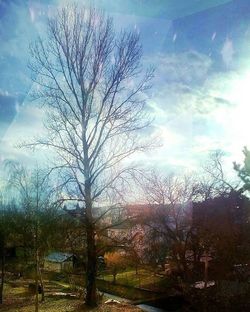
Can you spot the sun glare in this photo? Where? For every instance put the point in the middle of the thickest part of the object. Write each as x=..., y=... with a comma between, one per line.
x=236, y=118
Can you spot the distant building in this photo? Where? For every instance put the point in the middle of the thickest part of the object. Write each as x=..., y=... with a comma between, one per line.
x=59, y=262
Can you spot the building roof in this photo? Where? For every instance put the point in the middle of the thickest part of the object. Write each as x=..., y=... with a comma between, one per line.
x=58, y=257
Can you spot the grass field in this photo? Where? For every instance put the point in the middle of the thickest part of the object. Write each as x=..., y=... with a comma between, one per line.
x=18, y=299
x=144, y=279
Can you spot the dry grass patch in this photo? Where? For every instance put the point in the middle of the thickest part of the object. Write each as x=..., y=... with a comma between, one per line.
x=66, y=305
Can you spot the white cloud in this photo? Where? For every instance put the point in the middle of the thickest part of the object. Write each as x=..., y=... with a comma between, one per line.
x=227, y=52
x=25, y=127
x=188, y=67
x=199, y=110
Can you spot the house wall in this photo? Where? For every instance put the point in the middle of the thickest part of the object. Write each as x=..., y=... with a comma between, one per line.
x=67, y=265
x=52, y=266
x=58, y=267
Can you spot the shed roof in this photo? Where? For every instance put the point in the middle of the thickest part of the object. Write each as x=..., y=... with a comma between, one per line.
x=58, y=257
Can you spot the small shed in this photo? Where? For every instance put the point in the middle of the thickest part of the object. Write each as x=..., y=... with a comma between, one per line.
x=59, y=262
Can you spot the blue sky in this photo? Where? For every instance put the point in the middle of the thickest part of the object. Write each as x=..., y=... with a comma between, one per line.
x=201, y=93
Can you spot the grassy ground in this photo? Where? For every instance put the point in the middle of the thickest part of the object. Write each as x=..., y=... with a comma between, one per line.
x=18, y=299
x=66, y=305
x=143, y=279
x=128, y=284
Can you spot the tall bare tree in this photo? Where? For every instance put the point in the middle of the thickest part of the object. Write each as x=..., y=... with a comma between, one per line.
x=92, y=84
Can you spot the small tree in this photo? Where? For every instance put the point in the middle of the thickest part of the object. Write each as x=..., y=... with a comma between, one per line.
x=3, y=227
x=38, y=214
x=7, y=234
x=115, y=262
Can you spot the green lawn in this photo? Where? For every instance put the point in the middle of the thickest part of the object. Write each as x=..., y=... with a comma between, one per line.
x=144, y=279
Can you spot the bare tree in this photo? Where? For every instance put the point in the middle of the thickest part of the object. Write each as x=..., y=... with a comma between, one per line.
x=171, y=200
x=91, y=82
x=35, y=198
x=243, y=170
x=215, y=183
x=5, y=230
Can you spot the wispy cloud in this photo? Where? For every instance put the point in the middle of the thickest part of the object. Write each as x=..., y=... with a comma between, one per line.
x=227, y=52
x=198, y=110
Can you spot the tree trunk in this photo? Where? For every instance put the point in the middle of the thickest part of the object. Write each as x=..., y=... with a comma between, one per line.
x=136, y=269
x=2, y=271
x=91, y=296
x=42, y=285
x=206, y=270
x=36, y=281
x=114, y=278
